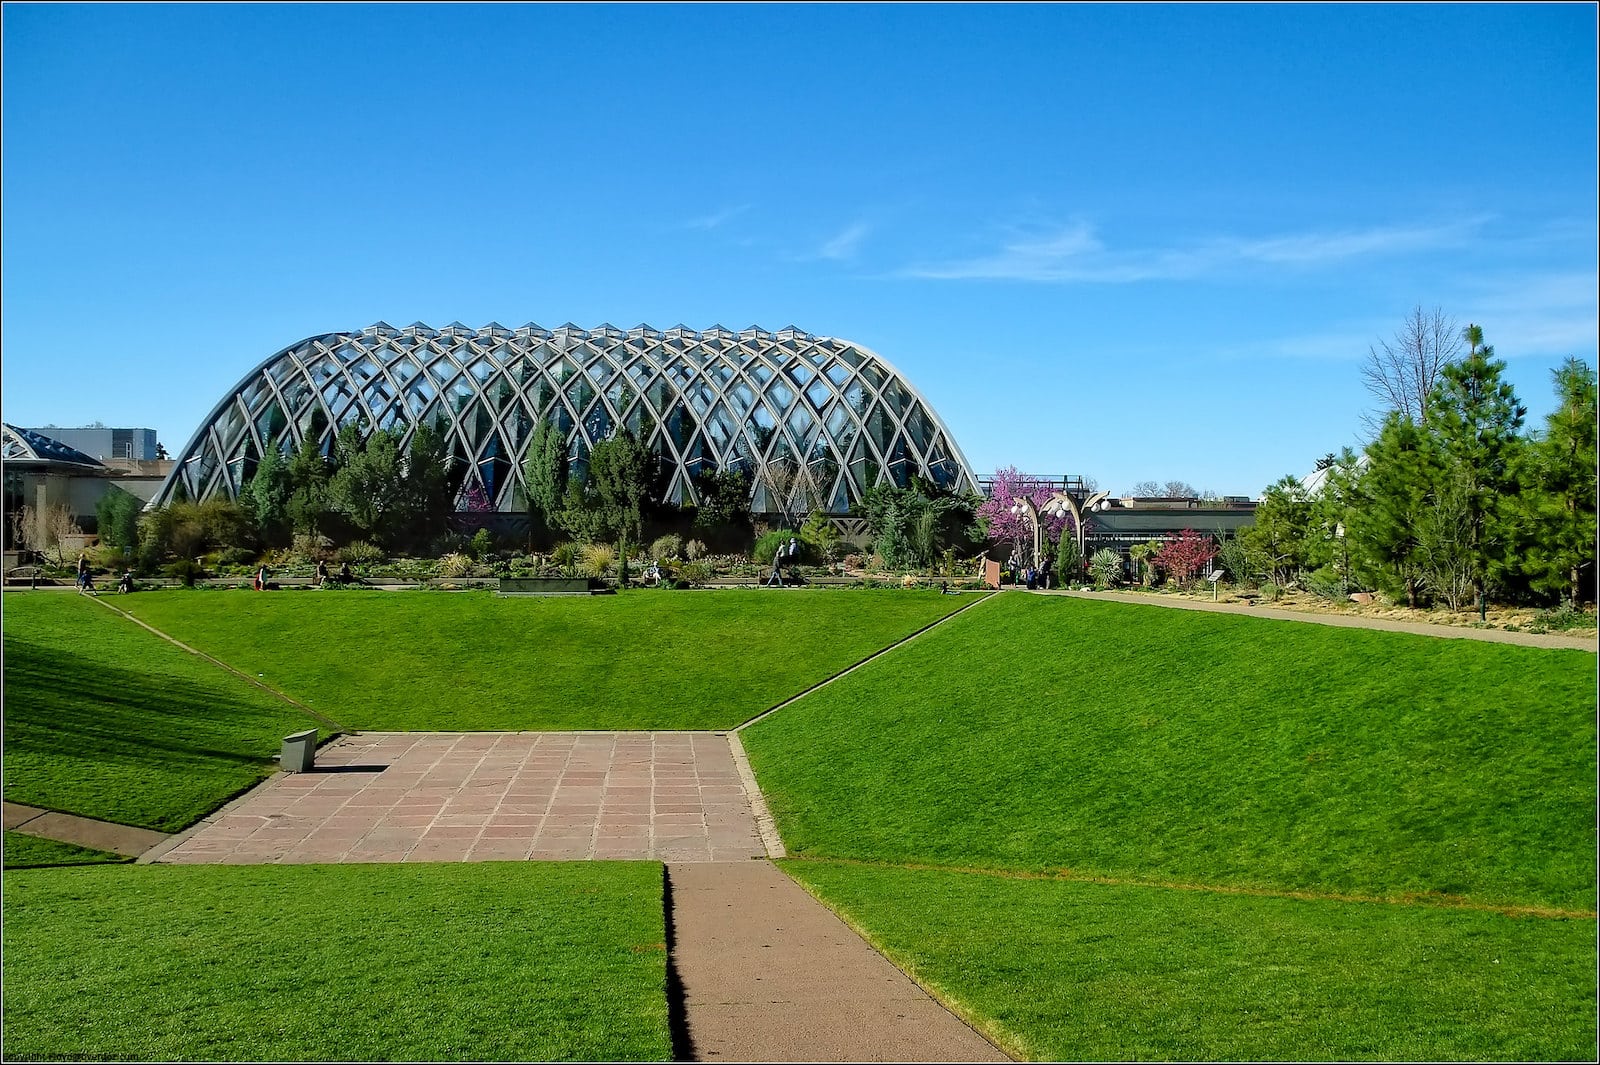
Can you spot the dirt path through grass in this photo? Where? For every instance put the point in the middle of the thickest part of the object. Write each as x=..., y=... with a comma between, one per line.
x=1449, y=632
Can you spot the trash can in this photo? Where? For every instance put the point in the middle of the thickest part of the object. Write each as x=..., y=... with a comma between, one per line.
x=299, y=750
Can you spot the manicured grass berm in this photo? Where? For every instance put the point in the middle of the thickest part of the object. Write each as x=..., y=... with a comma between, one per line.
x=466, y=661
x=1153, y=744
x=23, y=852
x=529, y=961
x=109, y=721
x=1065, y=971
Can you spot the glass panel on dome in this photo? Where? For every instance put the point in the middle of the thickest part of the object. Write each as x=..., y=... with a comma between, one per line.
x=819, y=393
x=680, y=426
x=230, y=424
x=723, y=373
x=482, y=423
x=837, y=421
x=720, y=426
x=580, y=393
x=742, y=397
x=282, y=370
x=761, y=372
x=365, y=368
x=800, y=422
x=855, y=397
x=838, y=374
x=850, y=356
x=562, y=370
x=597, y=423
x=253, y=392
x=840, y=504
x=762, y=418
x=701, y=397
x=879, y=427
x=660, y=396
x=271, y=423
x=620, y=395
x=543, y=398
x=896, y=397
x=461, y=393
x=404, y=369
x=780, y=394
x=918, y=429
x=801, y=375
x=694, y=458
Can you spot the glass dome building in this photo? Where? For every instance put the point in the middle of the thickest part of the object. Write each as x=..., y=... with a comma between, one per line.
x=830, y=417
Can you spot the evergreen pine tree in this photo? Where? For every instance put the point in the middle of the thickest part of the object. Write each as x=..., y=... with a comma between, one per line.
x=1475, y=419
x=1560, y=554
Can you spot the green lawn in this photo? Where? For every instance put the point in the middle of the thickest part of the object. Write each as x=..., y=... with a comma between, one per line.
x=472, y=661
x=107, y=720
x=1064, y=971
x=450, y=962
x=23, y=852
x=1166, y=745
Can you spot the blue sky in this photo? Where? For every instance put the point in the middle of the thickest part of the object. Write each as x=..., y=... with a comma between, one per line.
x=1126, y=241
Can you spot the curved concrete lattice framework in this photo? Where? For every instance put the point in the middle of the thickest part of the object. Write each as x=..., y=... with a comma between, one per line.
x=838, y=416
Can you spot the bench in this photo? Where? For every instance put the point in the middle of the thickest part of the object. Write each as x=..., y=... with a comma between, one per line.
x=544, y=586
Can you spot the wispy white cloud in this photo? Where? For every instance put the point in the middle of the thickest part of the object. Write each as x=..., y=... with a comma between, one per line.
x=1538, y=314
x=717, y=218
x=843, y=244
x=1076, y=253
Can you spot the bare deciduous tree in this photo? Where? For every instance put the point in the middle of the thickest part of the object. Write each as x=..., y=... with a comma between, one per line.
x=1401, y=371
x=792, y=487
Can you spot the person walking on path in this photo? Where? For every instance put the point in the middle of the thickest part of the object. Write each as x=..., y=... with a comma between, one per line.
x=83, y=571
x=1044, y=573
x=777, y=567
x=260, y=583
x=794, y=560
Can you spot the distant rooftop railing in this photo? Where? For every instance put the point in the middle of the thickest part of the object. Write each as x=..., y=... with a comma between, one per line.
x=1055, y=482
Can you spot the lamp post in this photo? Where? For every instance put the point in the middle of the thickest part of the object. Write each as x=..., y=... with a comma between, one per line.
x=1023, y=505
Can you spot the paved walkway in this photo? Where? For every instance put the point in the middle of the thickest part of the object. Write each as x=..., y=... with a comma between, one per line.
x=83, y=831
x=1348, y=621
x=770, y=974
x=449, y=797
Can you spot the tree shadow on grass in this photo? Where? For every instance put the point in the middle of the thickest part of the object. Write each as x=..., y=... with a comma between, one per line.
x=76, y=725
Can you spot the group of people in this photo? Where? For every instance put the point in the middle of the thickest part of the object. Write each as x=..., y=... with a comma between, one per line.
x=1030, y=576
x=85, y=578
x=787, y=554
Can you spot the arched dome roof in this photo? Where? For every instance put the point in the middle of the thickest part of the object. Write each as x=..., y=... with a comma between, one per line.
x=840, y=416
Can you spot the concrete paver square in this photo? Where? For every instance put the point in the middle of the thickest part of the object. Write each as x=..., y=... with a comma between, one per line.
x=429, y=797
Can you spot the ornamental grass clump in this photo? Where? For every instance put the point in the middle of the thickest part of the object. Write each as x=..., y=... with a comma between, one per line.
x=598, y=559
x=455, y=564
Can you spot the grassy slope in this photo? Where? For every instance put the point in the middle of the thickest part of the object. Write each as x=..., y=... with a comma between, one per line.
x=1078, y=971
x=466, y=661
x=1158, y=744
x=496, y=961
x=106, y=720
x=22, y=852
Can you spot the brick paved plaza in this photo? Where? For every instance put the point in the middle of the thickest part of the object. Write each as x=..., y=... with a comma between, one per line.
x=441, y=797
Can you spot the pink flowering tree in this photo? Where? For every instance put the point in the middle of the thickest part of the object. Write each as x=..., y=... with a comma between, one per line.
x=476, y=501
x=1186, y=556
x=1015, y=529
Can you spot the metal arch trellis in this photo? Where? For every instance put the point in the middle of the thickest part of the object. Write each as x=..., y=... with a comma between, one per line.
x=702, y=399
